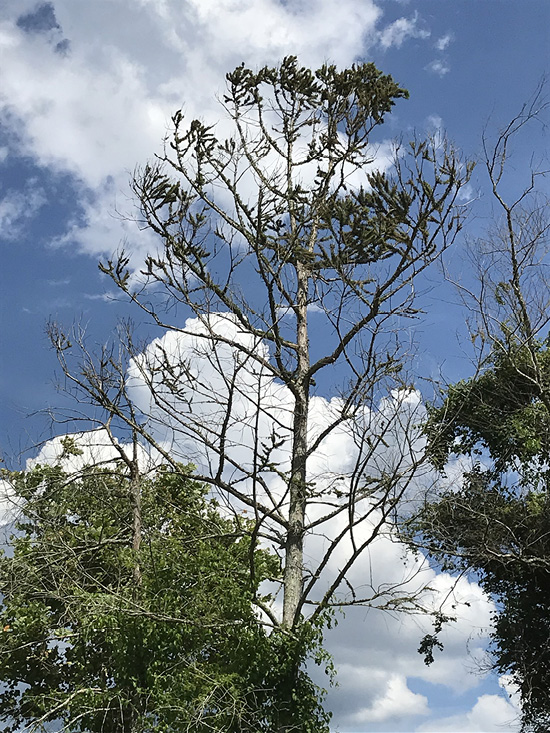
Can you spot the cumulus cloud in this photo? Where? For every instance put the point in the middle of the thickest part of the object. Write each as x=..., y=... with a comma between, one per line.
x=395, y=701
x=185, y=381
x=87, y=96
x=375, y=653
x=376, y=656
x=96, y=447
x=490, y=713
x=104, y=107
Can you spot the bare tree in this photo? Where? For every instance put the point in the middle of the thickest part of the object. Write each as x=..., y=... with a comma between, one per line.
x=508, y=305
x=297, y=254
x=510, y=259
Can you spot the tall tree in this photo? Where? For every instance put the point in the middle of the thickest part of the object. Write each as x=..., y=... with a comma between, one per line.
x=280, y=230
x=100, y=632
x=496, y=522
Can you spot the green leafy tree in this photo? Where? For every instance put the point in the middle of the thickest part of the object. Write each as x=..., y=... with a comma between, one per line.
x=101, y=633
x=496, y=522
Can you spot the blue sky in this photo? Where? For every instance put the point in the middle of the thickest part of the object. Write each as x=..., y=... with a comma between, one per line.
x=86, y=93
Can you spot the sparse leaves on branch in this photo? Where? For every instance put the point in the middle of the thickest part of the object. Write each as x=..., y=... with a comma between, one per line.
x=294, y=237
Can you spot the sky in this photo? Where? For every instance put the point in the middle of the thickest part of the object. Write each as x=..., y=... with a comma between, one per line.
x=86, y=94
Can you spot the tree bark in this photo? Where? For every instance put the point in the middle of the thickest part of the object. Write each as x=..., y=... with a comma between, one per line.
x=293, y=573
x=135, y=495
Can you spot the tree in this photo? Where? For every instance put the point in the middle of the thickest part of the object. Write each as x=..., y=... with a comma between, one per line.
x=496, y=522
x=102, y=633
x=297, y=254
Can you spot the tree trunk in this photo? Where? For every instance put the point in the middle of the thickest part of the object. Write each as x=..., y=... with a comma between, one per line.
x=135, y=493
x=293, y=574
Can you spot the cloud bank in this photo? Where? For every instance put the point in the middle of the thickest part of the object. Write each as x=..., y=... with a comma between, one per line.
x=83, y=94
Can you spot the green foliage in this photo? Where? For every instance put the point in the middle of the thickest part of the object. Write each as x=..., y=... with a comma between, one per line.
x=497, y=523
x=346, y=105
x=177, y=646
x=504, y=537
x=431, y=641
x=501, y=411
x=357, y=94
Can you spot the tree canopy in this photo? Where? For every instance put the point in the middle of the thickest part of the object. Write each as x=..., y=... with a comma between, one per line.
x=496, y=522
x=100, y=636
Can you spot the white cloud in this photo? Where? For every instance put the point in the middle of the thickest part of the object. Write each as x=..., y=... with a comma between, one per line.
x=400, y=30
x=90, y=119
x=511, y=690
x=395, y=701
x=10, y=503
x=439, y=67
x=491, y=713
x=105, y=105
x=374, y=652
x=108, y=225
x=95, y=448
x=442, y=43
x=17, y=209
